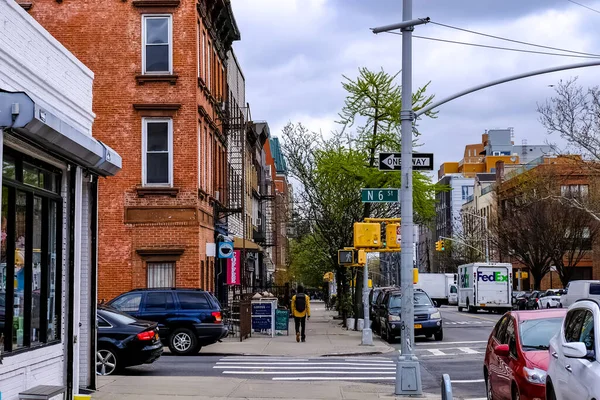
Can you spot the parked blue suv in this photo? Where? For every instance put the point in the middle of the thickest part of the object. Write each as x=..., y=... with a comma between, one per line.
x=188, y=319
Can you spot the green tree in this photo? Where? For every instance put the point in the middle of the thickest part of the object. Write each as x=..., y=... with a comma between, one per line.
x=331, y=171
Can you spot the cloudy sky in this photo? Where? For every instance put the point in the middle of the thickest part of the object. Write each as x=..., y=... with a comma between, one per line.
x=294, y=52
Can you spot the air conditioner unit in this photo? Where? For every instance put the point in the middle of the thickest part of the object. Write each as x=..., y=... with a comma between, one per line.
x=217, y=195
x=259, y=222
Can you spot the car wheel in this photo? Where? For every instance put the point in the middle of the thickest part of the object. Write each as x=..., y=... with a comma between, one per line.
x=107, y=362
x=550, y=395
x=548, y=305
x=488, y=388
x=460, y=309
x=439, y=335
x=183, y=342
x=515, y=393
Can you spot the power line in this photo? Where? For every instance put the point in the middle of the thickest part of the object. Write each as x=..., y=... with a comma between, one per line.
x=497, y=47
x=512, y=40
x=584, y=6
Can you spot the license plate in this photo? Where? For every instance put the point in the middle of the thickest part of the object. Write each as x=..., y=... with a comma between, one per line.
x=418, y=326
x=156, y=336
x=482, y=305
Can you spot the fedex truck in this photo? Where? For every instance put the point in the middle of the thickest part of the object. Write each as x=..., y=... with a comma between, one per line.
x=485, y=286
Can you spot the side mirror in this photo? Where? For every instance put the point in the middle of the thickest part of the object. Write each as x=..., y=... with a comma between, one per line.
x=574, y=350
x=501, y=350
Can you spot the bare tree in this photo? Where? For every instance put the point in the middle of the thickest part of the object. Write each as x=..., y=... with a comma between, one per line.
x=539, y=227
x=574, y=114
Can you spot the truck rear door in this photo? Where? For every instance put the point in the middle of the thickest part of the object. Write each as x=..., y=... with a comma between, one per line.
x=493, y=286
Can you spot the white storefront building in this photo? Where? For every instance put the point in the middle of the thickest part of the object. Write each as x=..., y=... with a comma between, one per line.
x=50, y=166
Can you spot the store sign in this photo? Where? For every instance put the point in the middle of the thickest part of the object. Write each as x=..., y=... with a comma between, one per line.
x=225, y=250
x=233, y=268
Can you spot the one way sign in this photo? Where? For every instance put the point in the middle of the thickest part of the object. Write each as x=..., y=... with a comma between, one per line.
x=392, y=161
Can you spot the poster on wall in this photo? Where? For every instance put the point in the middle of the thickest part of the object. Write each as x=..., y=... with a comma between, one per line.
x=233, y=269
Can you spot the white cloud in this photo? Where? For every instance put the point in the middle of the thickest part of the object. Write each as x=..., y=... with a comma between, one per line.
x=294, y=53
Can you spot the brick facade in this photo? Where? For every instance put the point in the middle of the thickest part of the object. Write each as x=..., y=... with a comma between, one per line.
x=173, y=223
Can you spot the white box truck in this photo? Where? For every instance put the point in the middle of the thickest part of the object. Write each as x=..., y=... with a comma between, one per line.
x=485, y=286
x=437, y=286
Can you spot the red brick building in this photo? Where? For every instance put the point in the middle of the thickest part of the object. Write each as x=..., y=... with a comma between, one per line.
x=564, y=176
x=159, y=93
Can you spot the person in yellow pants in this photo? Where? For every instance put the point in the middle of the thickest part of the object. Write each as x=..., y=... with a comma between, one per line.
x=300, y=312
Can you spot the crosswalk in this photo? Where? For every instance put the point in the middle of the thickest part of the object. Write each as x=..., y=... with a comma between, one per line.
x=464, y=323
x=368, y=369
x=451, y=349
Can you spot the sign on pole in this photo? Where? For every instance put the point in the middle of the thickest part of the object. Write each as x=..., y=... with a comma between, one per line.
x=346, y=257
x=233, y=268
x=379, y=195
x=392, y=161
x=399, y=234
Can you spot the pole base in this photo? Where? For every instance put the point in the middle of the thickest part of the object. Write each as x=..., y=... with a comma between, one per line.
x=408, y=377
x=367, y=337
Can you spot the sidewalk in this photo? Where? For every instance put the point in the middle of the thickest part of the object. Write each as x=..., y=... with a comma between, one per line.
x=206, y=388
x=324, y=337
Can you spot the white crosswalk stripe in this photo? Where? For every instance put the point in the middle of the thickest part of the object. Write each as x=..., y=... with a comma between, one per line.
x=463, y=323
x=449, y=351
x=372, y=369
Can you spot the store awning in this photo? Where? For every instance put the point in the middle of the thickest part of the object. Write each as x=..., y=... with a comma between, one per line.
x=19, y=113
x=239, y=244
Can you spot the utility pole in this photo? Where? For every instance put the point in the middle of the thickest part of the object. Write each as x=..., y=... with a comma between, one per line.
x=367, y=333
x=408, y=370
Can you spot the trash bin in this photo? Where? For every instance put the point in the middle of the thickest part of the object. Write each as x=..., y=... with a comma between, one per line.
x=361, y=324
x=350, y=323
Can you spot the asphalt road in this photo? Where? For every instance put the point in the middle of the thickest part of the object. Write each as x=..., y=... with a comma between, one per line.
x=460, y=354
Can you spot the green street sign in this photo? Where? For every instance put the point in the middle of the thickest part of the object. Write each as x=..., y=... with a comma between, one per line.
x=380, y=195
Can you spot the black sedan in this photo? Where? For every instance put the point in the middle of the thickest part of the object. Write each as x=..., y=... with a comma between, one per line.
x=124, y=341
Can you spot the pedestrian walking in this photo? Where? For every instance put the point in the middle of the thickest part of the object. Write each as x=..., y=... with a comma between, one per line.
x=301, y=312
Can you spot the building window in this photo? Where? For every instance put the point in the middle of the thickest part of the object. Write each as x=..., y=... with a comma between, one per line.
x=157, y=142
x=157, y=50
x=30, y=274
x=208, y=61
x=161, y=274
x=466, y=192
x=576, y=191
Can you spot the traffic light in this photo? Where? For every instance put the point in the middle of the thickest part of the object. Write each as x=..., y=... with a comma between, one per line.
x=346, y=257
x=367, y=235
x=391, y=236
x=362, y=257
x=440, y=245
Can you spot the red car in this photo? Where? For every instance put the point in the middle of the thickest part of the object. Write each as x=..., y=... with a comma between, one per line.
x=516, y=358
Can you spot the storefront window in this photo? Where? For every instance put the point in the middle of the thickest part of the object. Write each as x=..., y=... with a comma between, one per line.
x=3, y=325
x=19, y=274
x=36, y=276
x=52, y=278
x=30, y=253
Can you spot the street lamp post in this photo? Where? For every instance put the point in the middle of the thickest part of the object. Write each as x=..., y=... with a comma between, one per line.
x=485, y=222
x=408, y=373
x=408, y=370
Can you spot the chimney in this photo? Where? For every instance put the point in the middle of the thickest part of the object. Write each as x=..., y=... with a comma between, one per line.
x=499, y=171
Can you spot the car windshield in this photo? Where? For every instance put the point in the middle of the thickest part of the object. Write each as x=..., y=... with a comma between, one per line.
x=419, y=299
x=536, y=333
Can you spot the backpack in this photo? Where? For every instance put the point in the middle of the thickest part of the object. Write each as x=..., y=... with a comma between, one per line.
x=300, y=302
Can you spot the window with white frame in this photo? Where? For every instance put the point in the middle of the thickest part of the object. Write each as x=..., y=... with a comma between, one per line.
x=157, y=46
x=577, y=191
x=157, y=141
x=161, y=274
x=209, y=72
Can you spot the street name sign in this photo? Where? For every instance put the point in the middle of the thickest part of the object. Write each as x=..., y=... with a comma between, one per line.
x=392, y=161
x=380, y=195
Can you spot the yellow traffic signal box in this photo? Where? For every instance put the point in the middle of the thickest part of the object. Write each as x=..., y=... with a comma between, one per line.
x=346, y=257
x=362, y=257
x=391, y=236
x=440, y=246
x=367, y=235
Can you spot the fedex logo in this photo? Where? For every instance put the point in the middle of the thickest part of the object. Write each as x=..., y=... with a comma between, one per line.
x=493, y=277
